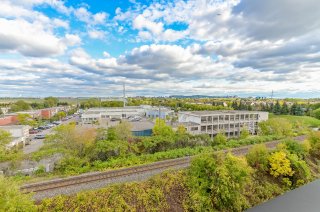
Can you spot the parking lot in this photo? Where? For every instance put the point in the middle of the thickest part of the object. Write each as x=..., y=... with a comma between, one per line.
x=36, y=144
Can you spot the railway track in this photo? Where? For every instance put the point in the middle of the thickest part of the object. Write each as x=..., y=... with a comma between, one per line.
x=54, y=184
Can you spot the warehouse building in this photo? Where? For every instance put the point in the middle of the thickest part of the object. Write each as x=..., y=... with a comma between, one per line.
x=98, y=114
x=156, y=112
x=230, y=122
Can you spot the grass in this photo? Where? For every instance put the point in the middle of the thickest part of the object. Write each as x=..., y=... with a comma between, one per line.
x=305, y=120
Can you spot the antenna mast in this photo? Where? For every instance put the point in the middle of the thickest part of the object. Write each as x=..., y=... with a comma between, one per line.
x=124, y=94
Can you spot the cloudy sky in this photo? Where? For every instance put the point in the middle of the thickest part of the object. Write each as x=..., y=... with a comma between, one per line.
x=166, y=47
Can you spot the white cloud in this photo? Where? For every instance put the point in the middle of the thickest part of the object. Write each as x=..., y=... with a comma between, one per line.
x=96, y=34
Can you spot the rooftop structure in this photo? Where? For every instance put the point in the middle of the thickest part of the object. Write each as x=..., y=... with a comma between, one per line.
x=231, y=122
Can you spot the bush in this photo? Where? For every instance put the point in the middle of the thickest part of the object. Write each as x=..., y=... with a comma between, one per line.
x=314, y=140
x=302, y=173
x=218, y=182
x=280, y=165
x=258, y=157
x=219, y=139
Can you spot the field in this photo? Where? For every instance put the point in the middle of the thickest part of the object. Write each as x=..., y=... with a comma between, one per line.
x=305, y=120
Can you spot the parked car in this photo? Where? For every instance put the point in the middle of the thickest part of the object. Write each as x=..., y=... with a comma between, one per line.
x=40, y=136
x=115, y=119
x=33, y=131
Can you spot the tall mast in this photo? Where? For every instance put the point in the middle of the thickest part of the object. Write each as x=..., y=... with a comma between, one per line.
x=124, y=94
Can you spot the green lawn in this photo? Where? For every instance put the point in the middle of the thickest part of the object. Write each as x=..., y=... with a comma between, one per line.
x=305, y=120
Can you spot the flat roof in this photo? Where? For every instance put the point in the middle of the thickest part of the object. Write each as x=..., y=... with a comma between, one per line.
x=141, y=125
x=218, y=112
x=304, y=198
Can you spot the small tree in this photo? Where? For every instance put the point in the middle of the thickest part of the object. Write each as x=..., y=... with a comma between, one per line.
x=316, y=113
x=258, y=157
x=181, y=130
x=244, y=133
x=160, y=128
x=220, y=138
x=123, y=130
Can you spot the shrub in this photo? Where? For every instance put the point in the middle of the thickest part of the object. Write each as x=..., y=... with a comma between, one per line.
x=258, y=157
x=280, y=165
x=218, y=182
x=302, y=173
x=219, y=139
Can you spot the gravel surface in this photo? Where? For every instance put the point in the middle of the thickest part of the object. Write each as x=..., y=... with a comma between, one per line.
x=102, y=183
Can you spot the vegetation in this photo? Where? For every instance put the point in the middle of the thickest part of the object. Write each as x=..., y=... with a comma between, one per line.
x=214, y=182
x=11, y=199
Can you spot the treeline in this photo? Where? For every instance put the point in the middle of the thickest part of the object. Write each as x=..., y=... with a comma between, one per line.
x=48, y=102
x=276, y=108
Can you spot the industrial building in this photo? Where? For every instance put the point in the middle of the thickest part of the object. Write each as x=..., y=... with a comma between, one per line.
x=98, y=114
x=229, y=122
x=156, y=112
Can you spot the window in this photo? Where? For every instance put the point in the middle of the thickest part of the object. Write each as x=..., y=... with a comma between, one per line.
x=215, y=118
x=221, y=118
x=231, y=117
x=203, y=119
x=209, y=127
x=226, y=118
x=215, y=127
x=203, y=128
x=194, y=129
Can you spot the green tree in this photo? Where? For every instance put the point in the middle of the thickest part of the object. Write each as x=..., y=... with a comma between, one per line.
x=284, y=109
x=5, y=139
x=111, y=134
x=244, y=133
x=276, y=126
x=220, y=138
x=277, y=108
x=181, y=130
x=316, y=113
x=11, y=199
x=160, y=128
x=123, y=130
x=26, y=119
x=50, y=101
x=20, y=106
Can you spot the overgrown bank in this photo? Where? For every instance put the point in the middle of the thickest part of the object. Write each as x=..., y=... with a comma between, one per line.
x=212, y=183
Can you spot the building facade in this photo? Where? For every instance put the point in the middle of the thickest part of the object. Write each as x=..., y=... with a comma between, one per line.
x=19, y=133
x=155, y=112
x=229, y=122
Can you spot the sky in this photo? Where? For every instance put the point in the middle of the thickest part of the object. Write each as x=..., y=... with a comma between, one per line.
x=159, y=48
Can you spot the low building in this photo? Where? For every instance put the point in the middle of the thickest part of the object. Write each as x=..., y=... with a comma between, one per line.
x=97, y=114
x=19, y=133
x=8, y=120
x=156, y=112
x=230, y=122
x=142, y=128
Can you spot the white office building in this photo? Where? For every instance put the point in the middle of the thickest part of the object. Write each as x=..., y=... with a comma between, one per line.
x=230, y=122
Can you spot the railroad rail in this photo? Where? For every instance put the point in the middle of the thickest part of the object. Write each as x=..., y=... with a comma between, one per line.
x=114, y=174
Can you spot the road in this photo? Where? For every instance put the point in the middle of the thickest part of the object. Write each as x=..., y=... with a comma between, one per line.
x=36, y=144
x=89, y=181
